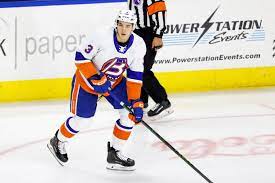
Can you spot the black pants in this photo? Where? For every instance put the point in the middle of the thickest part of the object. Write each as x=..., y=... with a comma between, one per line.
x=151, y=85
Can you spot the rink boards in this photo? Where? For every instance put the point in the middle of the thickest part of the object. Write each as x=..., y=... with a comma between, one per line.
x=207, y=46
x=186, y=81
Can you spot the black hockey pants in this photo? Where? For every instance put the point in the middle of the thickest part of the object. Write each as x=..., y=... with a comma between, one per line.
x=151, y=85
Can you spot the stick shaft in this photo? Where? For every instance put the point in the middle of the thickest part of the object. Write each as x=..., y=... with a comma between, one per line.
x=163, y=140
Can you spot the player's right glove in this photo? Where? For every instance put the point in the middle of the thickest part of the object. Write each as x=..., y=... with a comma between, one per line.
x=100, y=83
x=137, y=107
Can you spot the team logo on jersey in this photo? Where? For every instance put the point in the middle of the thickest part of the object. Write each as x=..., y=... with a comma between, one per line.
x=122, y=49
x=137, y=2
x=114, y=68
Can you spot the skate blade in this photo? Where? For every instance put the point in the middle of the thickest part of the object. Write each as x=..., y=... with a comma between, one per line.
x=163, y=114
x=52, y=152
x=118, y=167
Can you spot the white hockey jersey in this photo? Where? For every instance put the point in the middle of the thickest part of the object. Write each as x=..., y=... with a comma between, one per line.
x=101, y=52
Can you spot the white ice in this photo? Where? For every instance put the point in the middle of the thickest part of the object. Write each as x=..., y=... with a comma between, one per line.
x=228, y=135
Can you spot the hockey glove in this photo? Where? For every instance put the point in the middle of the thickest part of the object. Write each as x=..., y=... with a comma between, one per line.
x=137, y=108
x=100, y=83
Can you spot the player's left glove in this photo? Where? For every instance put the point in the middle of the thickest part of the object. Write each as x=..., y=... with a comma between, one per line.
x=100, y=83
x=137, y=107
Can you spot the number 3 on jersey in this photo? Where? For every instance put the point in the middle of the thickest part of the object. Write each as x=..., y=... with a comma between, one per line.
x=114, y=68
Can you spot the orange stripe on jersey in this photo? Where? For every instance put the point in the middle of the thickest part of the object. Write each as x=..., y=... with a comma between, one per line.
x=123, y=135
x=156, y=7
x=133, y=90
x=65, y=132
x=88, y=69
x=75, y=96
x=82, y=83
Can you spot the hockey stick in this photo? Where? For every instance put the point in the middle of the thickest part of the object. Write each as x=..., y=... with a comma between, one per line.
x=161, y=138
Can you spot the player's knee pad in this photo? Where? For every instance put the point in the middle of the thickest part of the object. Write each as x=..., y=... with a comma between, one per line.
x=124, y=120
x=79, y=123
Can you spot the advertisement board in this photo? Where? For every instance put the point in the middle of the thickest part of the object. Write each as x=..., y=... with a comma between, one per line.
x=39, y=42
x=207, y=45
x=217, y=35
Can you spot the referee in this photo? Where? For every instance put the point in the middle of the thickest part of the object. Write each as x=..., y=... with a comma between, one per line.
x=151, y=23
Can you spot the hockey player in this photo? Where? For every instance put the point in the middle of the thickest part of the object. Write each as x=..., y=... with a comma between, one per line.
x=100, y=63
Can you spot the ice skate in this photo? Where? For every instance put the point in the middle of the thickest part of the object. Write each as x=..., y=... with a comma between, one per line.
x=117, y=161
x=57, y=148
x=160, y=110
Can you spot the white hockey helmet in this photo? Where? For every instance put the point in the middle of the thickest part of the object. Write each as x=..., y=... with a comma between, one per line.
x=128, y=16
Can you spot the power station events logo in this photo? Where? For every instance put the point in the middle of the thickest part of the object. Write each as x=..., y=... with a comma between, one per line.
x=214, y=32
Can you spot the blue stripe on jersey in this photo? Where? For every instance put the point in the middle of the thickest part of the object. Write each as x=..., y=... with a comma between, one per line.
x=122, y=49
x=124, y=127
x=79, y=56
x=134, y=74
x=69, y=127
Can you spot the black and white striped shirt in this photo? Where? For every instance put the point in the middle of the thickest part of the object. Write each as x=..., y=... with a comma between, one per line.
x=150, y=13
